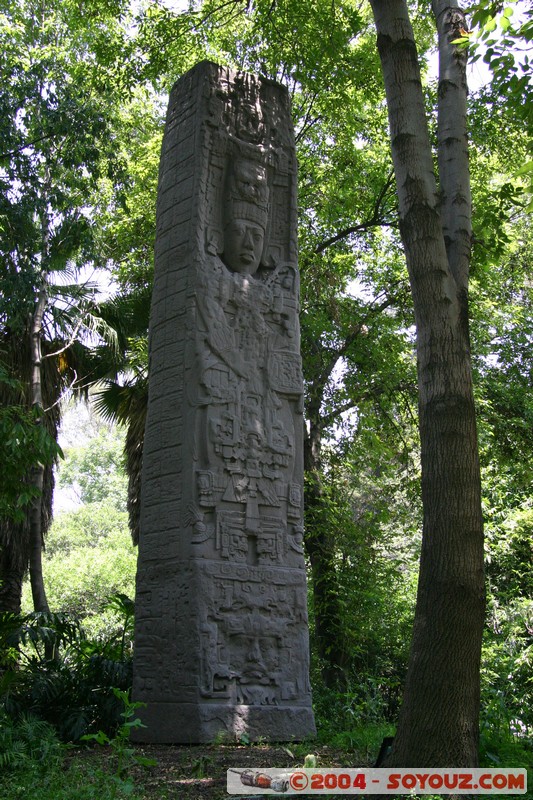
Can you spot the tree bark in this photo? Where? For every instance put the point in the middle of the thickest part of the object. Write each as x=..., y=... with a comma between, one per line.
x=438, y=724
x=40, y=602
x=320, y=546
x=11, y=579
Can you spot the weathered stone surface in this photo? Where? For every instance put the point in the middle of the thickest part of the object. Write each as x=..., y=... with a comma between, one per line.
x=221, y=641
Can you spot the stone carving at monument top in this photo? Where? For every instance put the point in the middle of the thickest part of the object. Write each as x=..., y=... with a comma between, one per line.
x=221, y=634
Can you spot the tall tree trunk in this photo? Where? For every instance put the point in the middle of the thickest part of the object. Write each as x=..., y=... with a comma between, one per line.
x=11, y=578
x=320, y=546
x=438, y=724
x=40, y=602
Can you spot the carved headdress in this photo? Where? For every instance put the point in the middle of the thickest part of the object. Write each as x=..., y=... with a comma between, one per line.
x=246, y=194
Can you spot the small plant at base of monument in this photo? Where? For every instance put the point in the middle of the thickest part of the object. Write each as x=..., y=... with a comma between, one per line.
x=200, y=766
x=125, y=755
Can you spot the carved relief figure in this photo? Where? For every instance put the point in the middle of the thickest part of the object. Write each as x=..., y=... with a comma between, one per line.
x=222, y=628
x=248, y=366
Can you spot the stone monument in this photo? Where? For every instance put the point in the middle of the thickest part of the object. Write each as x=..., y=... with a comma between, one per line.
x=221, y=639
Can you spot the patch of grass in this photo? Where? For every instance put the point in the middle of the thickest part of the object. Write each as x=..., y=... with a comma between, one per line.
x=79, y=780
x=361, y=742
x=37, y=766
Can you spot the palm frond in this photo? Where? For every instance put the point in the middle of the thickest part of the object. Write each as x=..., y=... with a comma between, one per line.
x=98, y=325
x=123, y=403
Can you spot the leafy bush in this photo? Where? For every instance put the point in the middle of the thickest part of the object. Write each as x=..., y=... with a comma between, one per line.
x=124, y=755
x=507, y=667
x=354, y=720
x=89, y=556
x=89, y=526
x=24, y=443
x=32, y=760
x=510, y=553
x=95, y=470
x=507, y=658
x=74, y=690
x=27, y=739
x=77, y=780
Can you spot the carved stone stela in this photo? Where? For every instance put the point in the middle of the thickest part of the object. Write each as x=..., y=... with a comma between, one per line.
x=221, y=641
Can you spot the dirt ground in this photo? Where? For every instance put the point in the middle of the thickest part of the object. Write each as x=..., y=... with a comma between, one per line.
x=199, y=772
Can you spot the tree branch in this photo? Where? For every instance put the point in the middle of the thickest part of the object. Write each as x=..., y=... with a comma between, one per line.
x=325, y=374
x=69, y=343
x=374, y=221
x=327, y=419
x=63, y=393
x=27, y=144
x=308, y=122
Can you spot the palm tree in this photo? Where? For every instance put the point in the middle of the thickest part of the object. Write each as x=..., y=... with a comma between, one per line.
x=45, y=361
x=57, y=141
x=123, y=374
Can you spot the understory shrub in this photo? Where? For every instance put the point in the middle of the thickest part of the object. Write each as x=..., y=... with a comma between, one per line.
x=63, y=677
x=27, y=739
x=89, y=557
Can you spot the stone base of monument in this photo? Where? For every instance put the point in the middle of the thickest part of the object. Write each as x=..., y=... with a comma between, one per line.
x=188, y=723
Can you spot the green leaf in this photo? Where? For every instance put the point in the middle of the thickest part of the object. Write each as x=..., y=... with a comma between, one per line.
x=143, y=761
x=525, y=169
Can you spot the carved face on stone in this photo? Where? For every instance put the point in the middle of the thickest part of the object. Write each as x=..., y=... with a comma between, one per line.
x=243, y=246
x=245, y=215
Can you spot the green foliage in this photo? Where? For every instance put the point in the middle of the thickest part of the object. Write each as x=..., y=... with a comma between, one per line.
x=38, y=628
x=506, y=725
x=33, y=766
x=502, y=37
x=56, y=138
x=503, y=335
x=369, y=508
x=363, y=704
x=74, y=690
x=75, y=779
x=93, y=525
x=506, y=31
x=56, y=141
x=96, y=470
x=510, y=556
x=27, y=739
x=125, y=226
x=363, y=741
x=502, y=331
x=89, y=557
x=124, y=755
x=200, y=766
x=88, y=155
x=23, y=442
x=507, y=670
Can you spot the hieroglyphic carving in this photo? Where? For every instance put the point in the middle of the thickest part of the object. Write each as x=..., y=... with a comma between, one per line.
x=234, y=623
x=251, y=628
